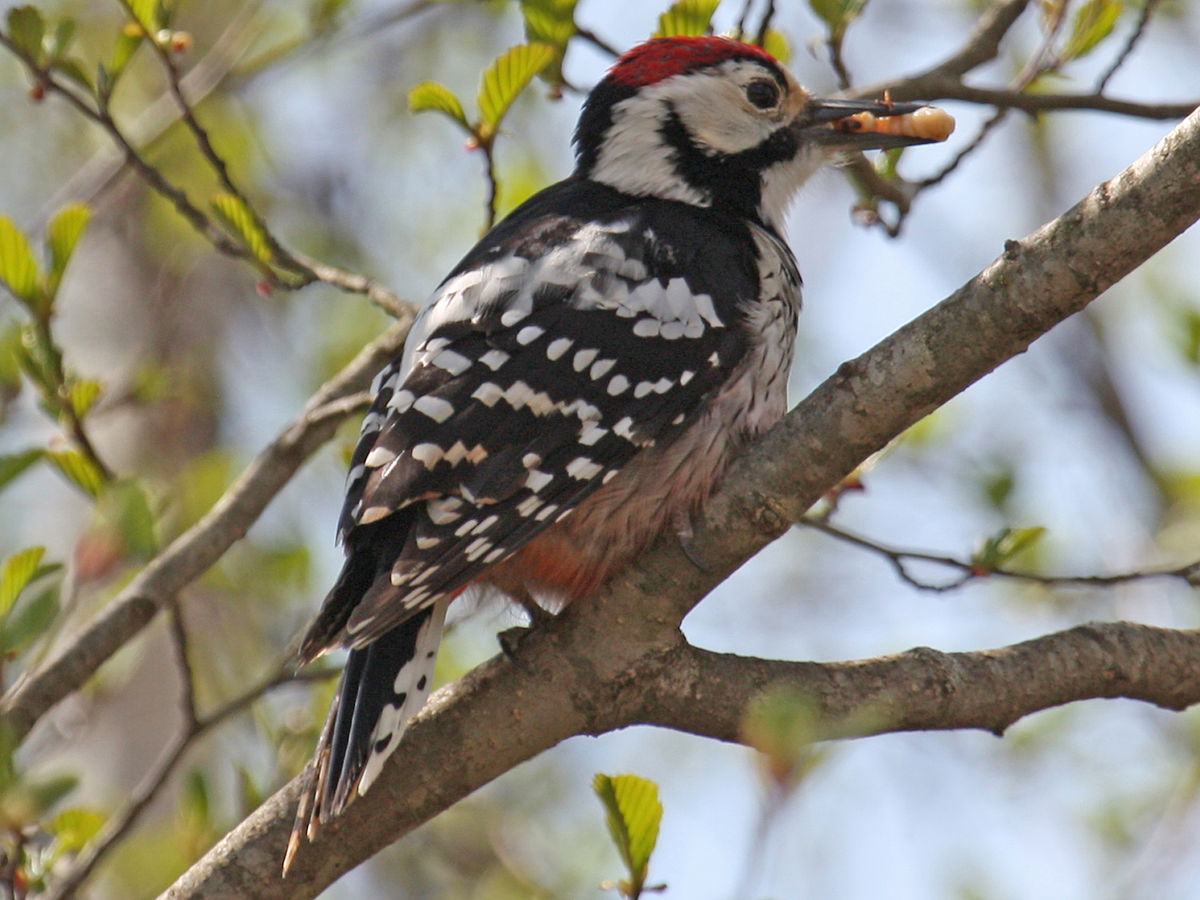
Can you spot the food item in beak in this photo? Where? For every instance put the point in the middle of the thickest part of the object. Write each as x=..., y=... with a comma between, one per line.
x=928, y=123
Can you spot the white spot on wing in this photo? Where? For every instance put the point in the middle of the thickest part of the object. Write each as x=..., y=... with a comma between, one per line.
x=452, y=362
x=558, y=347
x=583, y=469
x=584, y=358
x=494, y=359
x=646, y=327
x=379, y=456
x=601, y=368
x=435, y=407
x=529, y=334
x=537, y=479
x=401, y=401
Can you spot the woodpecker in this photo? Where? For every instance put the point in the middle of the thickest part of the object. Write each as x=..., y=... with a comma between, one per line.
x=580, y=381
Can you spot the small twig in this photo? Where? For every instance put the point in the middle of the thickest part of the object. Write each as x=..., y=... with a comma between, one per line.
x=1143, y=21
x=56, y=399
x=969, y=571
x=838, y=62
x=307, y=270
x=764, y=26
x=187, y=677
x=977, y=142
x=596, y=41
x=489, y=204
x=279, y=254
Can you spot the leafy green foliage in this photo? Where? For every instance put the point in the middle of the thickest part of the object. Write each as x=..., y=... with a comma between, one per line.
x=74, y=828
x=62, y=235
x=125, y=506
x=16, y=573
x=26, y=28
x=18, y=268
x=1094, y=21
x=633, y=813
x=13, y=464
x=148, y=13
x=549, y=21
x=29, y=622
x=837, y=14
x=77, y=469
x=687, y=18
x=776, y=43
x=1003, y=546
x=782, y=726
x=240, y=219
x=1189, y=335
x=504, y=80
x=429, y=96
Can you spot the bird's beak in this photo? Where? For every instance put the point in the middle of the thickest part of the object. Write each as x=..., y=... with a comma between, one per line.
x=867, y=125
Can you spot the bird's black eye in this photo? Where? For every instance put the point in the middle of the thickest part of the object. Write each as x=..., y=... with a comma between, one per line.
x=762, y=93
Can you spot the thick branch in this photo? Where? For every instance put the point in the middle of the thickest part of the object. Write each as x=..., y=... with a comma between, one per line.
x=585, y=672
x=198, y=548
x=925, y=689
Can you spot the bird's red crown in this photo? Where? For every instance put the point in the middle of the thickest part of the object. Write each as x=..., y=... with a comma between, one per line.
x=661, y=58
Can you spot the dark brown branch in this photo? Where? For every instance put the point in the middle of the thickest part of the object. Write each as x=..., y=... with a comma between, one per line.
x=193, y=552
x=984, y=43
x=1136, y=35
x=597, y=667
x=1035, y=103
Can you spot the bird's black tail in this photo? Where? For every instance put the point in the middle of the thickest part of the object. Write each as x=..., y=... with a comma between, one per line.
x=383, y=686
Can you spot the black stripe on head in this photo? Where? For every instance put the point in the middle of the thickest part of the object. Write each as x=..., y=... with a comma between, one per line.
x=733, y=182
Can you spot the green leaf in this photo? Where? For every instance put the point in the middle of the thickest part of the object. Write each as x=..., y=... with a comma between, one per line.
x=26, y=30
x=74, y=828
x=29, y=622
x=49, y=791
x=73, y=69
x=782, y=725
x=549, y=21
x=1188, y=335
x=18, y=269
x=1003, y=546
x=62, y=234
x=633, y=814
x=127, y=43
x=1094, y=22
x=83, y=394
x=148, y=14
x=507, y=77
x=13, y=464
x=837, y=14
x=431, y=96
x=775, y=43
x=78, y=469
x=10, y=362
x=16, y=573
x=238, y=217
x=687, y=18
x=60, y=39
x=126, y=505
x=195, y=803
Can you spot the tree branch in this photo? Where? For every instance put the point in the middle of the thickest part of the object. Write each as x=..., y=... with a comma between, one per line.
x=928, y=690
x=198, y=548
x=595, y=667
